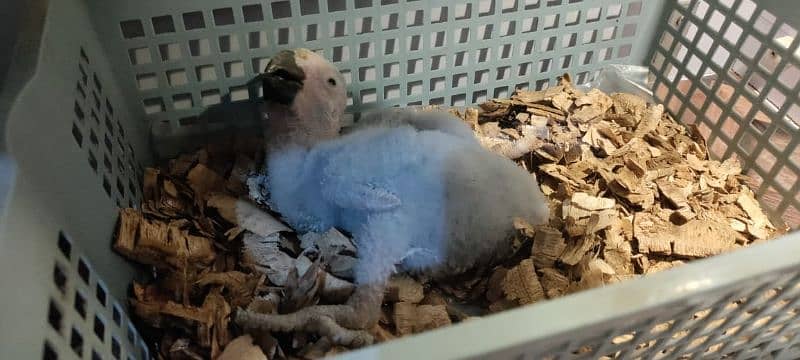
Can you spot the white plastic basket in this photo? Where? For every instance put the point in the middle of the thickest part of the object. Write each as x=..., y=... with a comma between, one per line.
x=100, y=88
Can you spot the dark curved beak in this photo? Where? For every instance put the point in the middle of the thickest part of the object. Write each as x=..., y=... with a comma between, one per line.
x=282, y=78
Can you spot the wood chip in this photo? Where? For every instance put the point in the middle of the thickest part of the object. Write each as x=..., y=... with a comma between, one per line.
x=240, y=286
x=674, y=195
x=404, y=289
x=548, y=245
x=659, y=266
x=759, y=220
x=562, y=101
x=592, y=105
x=496, y=280
x=628, y=104
x=521, y=284
x=702, y=238
x=431, y=317
x=161, y=244
x=524, y=227
x=204, y=181
x=242, y=348
x=554, y=283
x=585, y=214
x=502, y=305
x=576, y=249
x=404, y=318
x=653, y=235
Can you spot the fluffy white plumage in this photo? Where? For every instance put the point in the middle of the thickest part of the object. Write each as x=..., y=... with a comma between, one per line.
x=413, y=188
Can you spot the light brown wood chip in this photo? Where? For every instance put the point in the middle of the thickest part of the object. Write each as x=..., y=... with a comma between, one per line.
x=161, y=244
x=494, y=291
x=404, y=318
x=242, y=348
x=548, y=245
x=592, y=105
x=577, y=248
x=759, y=220
x=431, y=317
x=675, y=196
x=702, y=238
x=625, y=103
x=404, y=289
x=652, y=234
x=554, y=283
x=203, y=181
x=521, y=283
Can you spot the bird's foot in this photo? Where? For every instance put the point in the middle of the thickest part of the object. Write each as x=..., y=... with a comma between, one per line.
x=345, y=324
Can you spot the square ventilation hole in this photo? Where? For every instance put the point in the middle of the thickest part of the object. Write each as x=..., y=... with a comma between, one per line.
x=252, y=13
x=163, y=24
x=60, y=279
x=116, y=350
x=106, y=186
x=153, y=105
x=228, y=43
x=193, y=20
x=55, y=316
x=76, y=342
x=182, y=101
x=83, y=270
x=99, y=328
x=223, y=16
x=132, y=29
x=239, y=93
x=64, y=245
x=140, y=56
x=80, y=304
x=210, y=97
x=147, y=81
x=200, y=47
x=48, y=353
x=117, y=314
x=177, y=77
x=76, y=134
x=101, y=294
x=206, y=73
x=234, y=69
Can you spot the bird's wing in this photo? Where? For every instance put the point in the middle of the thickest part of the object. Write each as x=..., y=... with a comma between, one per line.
x=419, y=119
x=360, y=196
x=351, y=179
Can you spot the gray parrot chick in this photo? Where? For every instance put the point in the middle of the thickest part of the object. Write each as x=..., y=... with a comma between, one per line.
x=416, y=189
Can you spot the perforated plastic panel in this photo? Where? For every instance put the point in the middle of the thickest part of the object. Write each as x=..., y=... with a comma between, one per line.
x=174, y=62
x=78, y=152
x=731, y=68
x=98, y=86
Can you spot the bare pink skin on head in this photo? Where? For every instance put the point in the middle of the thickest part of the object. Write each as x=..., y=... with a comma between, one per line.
x=315, y=113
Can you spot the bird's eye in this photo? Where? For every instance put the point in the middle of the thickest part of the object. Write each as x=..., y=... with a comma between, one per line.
x=332, y=81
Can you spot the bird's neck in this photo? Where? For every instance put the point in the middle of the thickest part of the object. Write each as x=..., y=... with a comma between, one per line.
x=285, y=126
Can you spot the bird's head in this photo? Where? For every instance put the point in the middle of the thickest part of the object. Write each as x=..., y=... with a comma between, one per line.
x=307, y=86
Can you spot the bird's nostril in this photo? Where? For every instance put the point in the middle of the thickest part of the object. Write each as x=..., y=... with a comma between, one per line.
x=281, y=73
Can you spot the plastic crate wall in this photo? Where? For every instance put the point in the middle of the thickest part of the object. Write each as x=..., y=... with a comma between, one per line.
x=177, y=63
x=78, y=154
x=67, y=195
x=732, y=67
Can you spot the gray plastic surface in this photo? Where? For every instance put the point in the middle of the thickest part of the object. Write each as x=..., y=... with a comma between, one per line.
x=173, y=65
x=79, y=145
